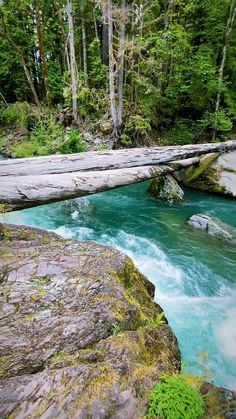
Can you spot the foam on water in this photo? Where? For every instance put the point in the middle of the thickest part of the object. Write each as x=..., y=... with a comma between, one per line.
x=194, y=275
x=226, y=333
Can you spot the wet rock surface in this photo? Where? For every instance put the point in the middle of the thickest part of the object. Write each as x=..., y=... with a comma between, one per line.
x=79, y=337
x=220, y=403
x=213, y=227
x=166, y=188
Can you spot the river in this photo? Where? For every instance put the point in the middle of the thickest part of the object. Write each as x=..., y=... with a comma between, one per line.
x=194, y=275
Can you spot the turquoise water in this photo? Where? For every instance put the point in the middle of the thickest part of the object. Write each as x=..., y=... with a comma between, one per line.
x=195, y=276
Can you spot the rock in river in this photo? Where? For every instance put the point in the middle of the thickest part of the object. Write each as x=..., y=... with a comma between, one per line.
x=79, y=336
x=166, y=188
x=213, y=227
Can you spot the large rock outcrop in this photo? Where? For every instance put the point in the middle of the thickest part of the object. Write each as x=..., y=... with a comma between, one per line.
x=79, y=330
x=216, y=173
x=80, y=336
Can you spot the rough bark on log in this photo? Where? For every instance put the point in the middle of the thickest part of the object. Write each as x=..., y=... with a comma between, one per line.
x=19, y=192
x=31, y=182
x=108, y=160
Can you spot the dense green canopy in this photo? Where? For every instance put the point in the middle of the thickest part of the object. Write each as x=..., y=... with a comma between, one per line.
x=163, y=67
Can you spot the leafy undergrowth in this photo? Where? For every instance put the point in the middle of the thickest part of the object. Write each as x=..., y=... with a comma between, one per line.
x=172, y=398
x=44, y=132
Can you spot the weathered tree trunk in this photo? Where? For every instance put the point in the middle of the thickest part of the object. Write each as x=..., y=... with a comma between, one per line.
x=95, y=25
x=29, y=191
x=120, y=70
x=111, y=66
x=84, y=42
x=59, y=12
x=42, y=51
x=169, y=66
x=107, y=160
x=228, y=30
x=105, y=53
x=35, y=181
x=31, y=84
x=73, y=68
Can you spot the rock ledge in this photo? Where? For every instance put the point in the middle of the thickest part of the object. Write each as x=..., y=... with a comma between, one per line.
x=79, y=336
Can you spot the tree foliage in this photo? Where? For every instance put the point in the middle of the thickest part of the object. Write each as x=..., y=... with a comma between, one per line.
x=172, y=62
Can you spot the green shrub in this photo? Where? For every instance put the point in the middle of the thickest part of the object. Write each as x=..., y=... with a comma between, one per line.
x=46, y=138
x=73, y=143
x=3, y=142
x=220, y=122
x=172, y=398
x=137, y=126
x=159, y=319
x=20, y=112
x=181, y=133
x=98, y=70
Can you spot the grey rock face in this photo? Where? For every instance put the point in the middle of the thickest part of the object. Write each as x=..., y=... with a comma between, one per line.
x=213, y=227
x=215, y=174
x=77, y=326
x=166, y=188
x=226, y=165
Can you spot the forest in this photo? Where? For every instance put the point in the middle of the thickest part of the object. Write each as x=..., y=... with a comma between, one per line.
x=117, y=209
x=155, y=72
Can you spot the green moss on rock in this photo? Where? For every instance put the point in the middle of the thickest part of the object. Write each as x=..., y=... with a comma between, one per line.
x=166, y=188
x=193, y=172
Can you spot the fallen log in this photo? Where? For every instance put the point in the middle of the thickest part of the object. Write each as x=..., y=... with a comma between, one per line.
x=108, y=160
x=18, y=192
x=21, y=188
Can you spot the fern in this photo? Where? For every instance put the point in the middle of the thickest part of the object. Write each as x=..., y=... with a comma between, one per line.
x=172, y=398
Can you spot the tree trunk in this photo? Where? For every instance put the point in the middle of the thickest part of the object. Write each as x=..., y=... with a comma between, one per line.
x=111, y=67
x=35, y=72
x=120, y=71
x=28, y=191
x=40, y=36
x=228, y=31
x=39, y=180
x=167, y=23
x=97, y=160
x=105, y=53
x=31, y=84
x=84, y=43
x=73, y=68
x=59, y=12
x=95, y=25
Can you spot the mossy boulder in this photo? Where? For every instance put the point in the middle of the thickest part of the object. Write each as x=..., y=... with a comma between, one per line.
x=79, y=337
x=166, y=188
x=106, y=128
x=216, y=173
